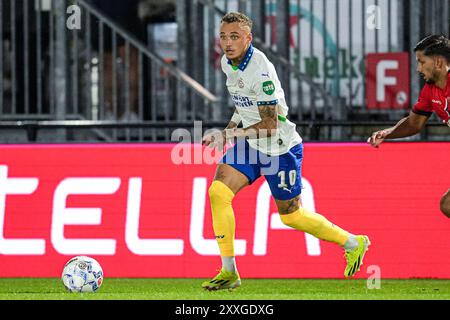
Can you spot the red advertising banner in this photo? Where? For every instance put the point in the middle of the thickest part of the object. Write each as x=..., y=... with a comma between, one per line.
x=142, y=213
x=387, y=80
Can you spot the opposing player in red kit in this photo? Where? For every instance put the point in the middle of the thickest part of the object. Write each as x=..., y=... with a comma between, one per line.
x=433, y=64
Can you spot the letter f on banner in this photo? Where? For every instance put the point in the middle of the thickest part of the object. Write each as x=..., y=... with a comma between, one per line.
x=382, y=80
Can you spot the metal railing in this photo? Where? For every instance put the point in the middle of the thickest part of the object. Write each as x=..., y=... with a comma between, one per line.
x=80, y=130
x=319, y=48
x=317, y=61
x=100, y=83
x=92, y=69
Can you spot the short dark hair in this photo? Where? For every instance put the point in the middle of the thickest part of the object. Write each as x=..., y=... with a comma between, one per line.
x=238, y=17
x=435, y=45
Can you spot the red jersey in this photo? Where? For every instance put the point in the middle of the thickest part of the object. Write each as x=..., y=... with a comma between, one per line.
x=434, y=99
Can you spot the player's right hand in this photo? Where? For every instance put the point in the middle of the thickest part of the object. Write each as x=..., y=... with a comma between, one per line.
x=215, y=140
x=377, y=138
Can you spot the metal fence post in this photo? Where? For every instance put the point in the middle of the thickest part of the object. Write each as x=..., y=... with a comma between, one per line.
x=415, y=32
x=182, y=12
x=60, y=65
x=258, y=15
x=60, y=60
x=211, y=74
x=282, y=29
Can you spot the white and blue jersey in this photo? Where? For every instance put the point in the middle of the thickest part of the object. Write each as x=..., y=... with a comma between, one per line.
x=252, y=84
x=255, y=83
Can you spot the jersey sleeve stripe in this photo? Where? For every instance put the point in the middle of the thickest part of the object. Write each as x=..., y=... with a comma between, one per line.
x=267, y=103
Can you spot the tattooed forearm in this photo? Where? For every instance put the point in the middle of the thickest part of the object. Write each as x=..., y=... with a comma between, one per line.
x=267, y=127
x=267, y=112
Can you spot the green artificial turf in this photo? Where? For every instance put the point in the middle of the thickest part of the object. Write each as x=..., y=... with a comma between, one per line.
x=251, y=289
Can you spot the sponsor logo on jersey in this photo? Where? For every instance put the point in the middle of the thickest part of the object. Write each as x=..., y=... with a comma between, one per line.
x=240, y=101
x=268, y=87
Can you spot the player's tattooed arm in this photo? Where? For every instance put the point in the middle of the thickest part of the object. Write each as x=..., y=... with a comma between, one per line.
x=267, y=127
x=218, y=138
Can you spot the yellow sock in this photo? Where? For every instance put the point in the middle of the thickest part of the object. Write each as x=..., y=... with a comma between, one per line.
x=315, y=224
x=224, y=224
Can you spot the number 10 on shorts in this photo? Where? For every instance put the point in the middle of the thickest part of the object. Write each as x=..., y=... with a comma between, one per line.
x=292, y=178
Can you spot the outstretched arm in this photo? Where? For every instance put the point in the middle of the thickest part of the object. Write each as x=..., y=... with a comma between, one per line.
x=267, y=127
x=217, y=138
x=408, y=126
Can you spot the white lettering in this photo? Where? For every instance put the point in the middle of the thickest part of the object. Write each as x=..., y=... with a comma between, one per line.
x=17, y=186
x=374, y=280
x=74, y=20
x=206, y=247
x=63, y=216
x=373, y=17
x=383, y=80
x=76, y=216
x=171, y=247
x=262, y=220
x=181, y=153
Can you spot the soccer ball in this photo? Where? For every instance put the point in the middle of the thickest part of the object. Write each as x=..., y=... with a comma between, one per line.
x=82, y=274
